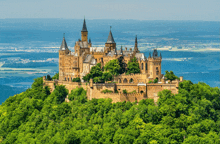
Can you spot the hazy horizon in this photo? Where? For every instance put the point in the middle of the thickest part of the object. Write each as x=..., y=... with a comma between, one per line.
x=201, y=10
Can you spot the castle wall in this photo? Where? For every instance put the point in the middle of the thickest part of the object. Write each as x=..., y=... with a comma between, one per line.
x=153, y=89
x=144, y=91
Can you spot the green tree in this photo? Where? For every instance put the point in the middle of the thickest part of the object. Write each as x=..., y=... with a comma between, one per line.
x=48, y=77
x=56, y=76
x=113, y=67
x=133, y=66
x=170, y=76
x=76, y=79
x=107, y=76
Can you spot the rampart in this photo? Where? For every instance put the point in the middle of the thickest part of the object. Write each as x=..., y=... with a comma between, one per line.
x=135, y=91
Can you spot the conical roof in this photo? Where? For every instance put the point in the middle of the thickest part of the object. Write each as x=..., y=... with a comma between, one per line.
x=121, y=51
x=110, y=38
x=84, y=29
x=63, y=45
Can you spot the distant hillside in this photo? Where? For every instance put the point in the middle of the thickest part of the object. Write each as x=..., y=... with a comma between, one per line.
x=36, y=116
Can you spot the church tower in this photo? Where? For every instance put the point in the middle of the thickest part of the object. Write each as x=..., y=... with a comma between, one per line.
x=110, y=44
x=154, y=64
x=62, y=54
x=84, y=32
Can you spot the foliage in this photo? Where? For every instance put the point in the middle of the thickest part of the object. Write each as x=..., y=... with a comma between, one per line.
x=133, y=66
x=125, y=91
x=113, y=67
x=107, y=76
x=95, y=73
x=48, y=77
x=107, y=91
x=133, y=92
x=150, y=81
x=38, y=116
x=56, y=76
x=155, y=80
x=76, y=79
x=170, y=76
x=78, y=94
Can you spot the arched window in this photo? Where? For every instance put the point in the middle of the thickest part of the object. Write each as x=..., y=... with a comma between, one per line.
x=142, y=66
x=131, y=80
x=145, y=66
x=125, y=81
x=142, y=92
x=119, y=80
x=68, y=79
x=65, y=79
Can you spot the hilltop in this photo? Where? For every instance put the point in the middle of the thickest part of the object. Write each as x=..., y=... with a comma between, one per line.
x=38, y=116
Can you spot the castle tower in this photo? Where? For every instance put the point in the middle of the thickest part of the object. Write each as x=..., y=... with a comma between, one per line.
x=136, y=46
x=84, y=32
x=154, y=64
x=62, y=54
x=110, y=44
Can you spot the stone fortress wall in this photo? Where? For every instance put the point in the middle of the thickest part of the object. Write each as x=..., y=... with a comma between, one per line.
x=143, y=90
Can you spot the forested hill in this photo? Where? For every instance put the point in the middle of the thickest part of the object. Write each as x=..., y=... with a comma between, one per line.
x=36, y=116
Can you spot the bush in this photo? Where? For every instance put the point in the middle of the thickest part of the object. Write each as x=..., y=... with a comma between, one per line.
x=150, y=82
x=56, y=76
x=155, y=80
x=48, y=77
x=76, y=79
x=78, y=94
x=125, y=91
x=107, y=91
x=133, y=92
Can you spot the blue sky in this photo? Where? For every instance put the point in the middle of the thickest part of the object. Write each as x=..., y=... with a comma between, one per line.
x=207, y=10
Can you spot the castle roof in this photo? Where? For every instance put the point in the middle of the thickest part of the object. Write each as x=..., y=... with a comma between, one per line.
x=110, y=38
x=63, y=45
x=84, y=29
x=83, y=44
x=88, y=58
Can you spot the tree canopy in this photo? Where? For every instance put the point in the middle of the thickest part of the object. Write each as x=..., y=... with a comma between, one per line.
x=113, y=67
x=38, y=116
x=170, y=76
x=133, y=66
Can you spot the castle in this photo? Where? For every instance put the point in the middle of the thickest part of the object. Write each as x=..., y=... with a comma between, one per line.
x=78, y=63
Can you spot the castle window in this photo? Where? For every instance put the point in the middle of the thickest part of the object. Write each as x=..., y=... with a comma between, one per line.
x=125, y=81
x=142, y=66
x=146, y=66
x=119, y=80
x=68, y=79
x=131, y=80
x=65, y=79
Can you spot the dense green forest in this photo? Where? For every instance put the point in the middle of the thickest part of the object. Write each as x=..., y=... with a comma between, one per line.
x=38, y=116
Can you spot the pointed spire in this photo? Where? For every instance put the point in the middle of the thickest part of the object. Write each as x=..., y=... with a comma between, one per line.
x=136, y=45
x=136, y=39
x=84, y=29
x=160, y=55
x=121, y=52
x=89, y=40
x=149, y=55
x=115, y=51
x=63, y=45
x=110, y=37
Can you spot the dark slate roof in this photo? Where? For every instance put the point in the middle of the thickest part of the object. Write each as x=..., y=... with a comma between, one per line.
x=136, y=39
x=121, y=51
x=88, y=58
x=84, y=29
x=110, y=38
x=63, y=45
x=155, y=53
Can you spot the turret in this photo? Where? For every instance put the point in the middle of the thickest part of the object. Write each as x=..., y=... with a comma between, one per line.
x=136, y=45
x=84, y=32
x=110, y=44
x=121, y=51
x=64, y=46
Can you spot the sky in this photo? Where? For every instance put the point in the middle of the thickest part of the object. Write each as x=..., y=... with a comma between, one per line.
x=206, y=10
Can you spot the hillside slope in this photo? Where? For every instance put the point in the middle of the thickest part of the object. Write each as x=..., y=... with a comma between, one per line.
x=36, y=116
